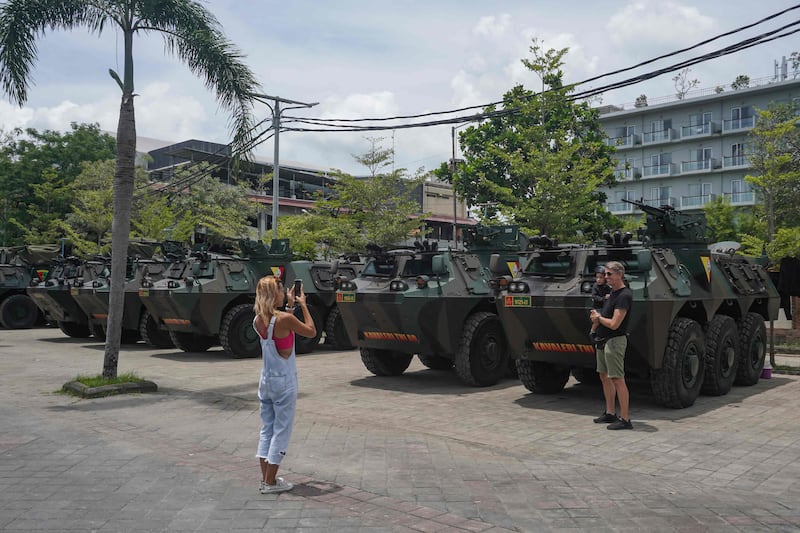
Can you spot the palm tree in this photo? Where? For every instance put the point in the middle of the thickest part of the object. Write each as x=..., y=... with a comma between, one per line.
x=190, y=32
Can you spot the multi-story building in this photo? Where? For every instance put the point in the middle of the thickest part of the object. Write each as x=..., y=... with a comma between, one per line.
x=684, y=152
x=299, y=184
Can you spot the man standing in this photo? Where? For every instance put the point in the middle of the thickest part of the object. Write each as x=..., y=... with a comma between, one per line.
x=610, y=326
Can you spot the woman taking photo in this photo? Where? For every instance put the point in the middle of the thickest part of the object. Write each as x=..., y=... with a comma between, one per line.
x=277, y=387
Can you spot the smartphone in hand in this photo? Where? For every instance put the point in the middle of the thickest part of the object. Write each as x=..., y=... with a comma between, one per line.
x=298, y=286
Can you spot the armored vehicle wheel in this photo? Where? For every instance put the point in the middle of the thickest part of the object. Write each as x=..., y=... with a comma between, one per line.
x=586, y=376
x=677, y=383
x=722, y=356
x=435, y=362
x=482, y=355
x=97, y=332
x=307, y=344
x=385, y=362
x=237, y=336
x=189, y=342
x=152, y=334
x=18, y=312
x=74, y=329
x=335, y=332
x=541, y=377
x=753, y=349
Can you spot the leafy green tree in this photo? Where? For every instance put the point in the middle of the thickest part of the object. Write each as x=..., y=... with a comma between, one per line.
x=540, y=161
x=37, y=169
x=775, y=162
x=189, y=30
x=376, y=157
x=742, y=81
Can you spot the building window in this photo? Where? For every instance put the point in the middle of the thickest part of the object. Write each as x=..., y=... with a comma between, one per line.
x=660, y=196
x=660, y=165
x=738, y=158
x=741, y=193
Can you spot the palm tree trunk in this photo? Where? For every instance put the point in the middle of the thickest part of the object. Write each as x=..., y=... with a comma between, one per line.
x=120, y=229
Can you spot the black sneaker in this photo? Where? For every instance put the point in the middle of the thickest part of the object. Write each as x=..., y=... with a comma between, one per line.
x=606, y=418
x=621, y=423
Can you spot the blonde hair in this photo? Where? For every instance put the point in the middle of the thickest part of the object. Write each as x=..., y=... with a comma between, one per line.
x=269, y=296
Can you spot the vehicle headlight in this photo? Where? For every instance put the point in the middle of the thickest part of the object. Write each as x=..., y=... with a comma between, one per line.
x=518, y=286
x=347, y=285
x=398, y=285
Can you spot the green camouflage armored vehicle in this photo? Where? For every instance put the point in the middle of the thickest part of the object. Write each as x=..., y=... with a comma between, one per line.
x=137, y=322
x=320, y=280
x=207, y=298
x=697, y=322
x=433, y=303
x=54, y=296
x=19, y=267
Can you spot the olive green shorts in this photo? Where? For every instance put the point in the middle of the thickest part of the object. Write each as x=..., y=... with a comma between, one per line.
x=611, y=359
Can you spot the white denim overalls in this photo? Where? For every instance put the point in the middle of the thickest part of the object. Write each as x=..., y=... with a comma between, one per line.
x=277, y=391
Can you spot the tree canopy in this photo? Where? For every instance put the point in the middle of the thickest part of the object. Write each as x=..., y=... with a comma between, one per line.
x=540, y=160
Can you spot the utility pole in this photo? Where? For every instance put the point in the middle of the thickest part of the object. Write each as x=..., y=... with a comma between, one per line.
x=276, y=167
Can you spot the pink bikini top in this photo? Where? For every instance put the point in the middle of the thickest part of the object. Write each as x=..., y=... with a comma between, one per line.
x=283, y=343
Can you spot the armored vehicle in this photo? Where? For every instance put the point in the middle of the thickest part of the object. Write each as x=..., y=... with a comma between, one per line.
x=207, y=298
x=433, y=303
x=320, y=280
x=137, y=322
x=19, y=267
x=697, y=322
x=54, y=296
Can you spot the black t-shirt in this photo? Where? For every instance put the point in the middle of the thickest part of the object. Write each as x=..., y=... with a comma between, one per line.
x=599, y=294
x=619, y=299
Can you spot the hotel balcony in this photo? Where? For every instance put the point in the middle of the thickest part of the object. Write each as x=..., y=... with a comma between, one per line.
x=738, y=124
x=696, y=202
x=741, y=198
x=662, y=136
x=660, y=202
x=703, y=165
x=623, y=142
x=652, y=171
x=619, y=208
x=627, y=174
x=735, y=161
x=701, y=130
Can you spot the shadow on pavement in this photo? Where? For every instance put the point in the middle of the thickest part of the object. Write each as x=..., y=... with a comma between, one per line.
x=428, y=382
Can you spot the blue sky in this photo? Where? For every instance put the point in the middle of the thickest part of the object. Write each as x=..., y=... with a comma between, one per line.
x=380, y=58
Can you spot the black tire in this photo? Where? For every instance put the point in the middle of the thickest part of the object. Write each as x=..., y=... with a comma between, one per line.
x=335, y=332
x=151, y=333
x=482, y=356
x=307, y=344
x=541, y=377
x=385, y=362
x=753, y=349
x=586, y=376
x=237, y=336
x=75, y=329
x=677, y=383
x=722, y=356
x=189, y=342
x=435, y=362
x=97, y=331
x=18, y=312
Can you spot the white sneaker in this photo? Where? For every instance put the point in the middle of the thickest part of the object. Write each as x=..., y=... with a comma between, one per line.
x=280, y=486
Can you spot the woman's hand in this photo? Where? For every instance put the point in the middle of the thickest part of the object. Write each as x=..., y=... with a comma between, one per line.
x=299, y=299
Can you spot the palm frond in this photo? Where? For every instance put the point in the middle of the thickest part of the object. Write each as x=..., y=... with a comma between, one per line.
x=23, y=21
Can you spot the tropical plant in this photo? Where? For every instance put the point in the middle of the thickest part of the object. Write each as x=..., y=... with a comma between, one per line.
x=742, y=81
x=683, y=84
x=190, y=32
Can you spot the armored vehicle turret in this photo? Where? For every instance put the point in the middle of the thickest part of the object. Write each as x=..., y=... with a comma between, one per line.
x=207, y=298
x=137, y=322
x=320, y=280
x=433, y=303
x=697, y=323
x=19, y=267
x=54, y=296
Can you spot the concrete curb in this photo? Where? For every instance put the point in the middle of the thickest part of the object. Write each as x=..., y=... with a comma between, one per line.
x=82, y=390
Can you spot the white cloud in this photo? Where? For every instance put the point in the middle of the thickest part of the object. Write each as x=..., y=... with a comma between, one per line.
x=658, y=24
x=491, y=27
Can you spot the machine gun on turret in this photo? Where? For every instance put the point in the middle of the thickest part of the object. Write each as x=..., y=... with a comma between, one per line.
x=666, y=226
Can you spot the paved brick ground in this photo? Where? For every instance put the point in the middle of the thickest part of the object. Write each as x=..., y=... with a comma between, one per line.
x=419, y=452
